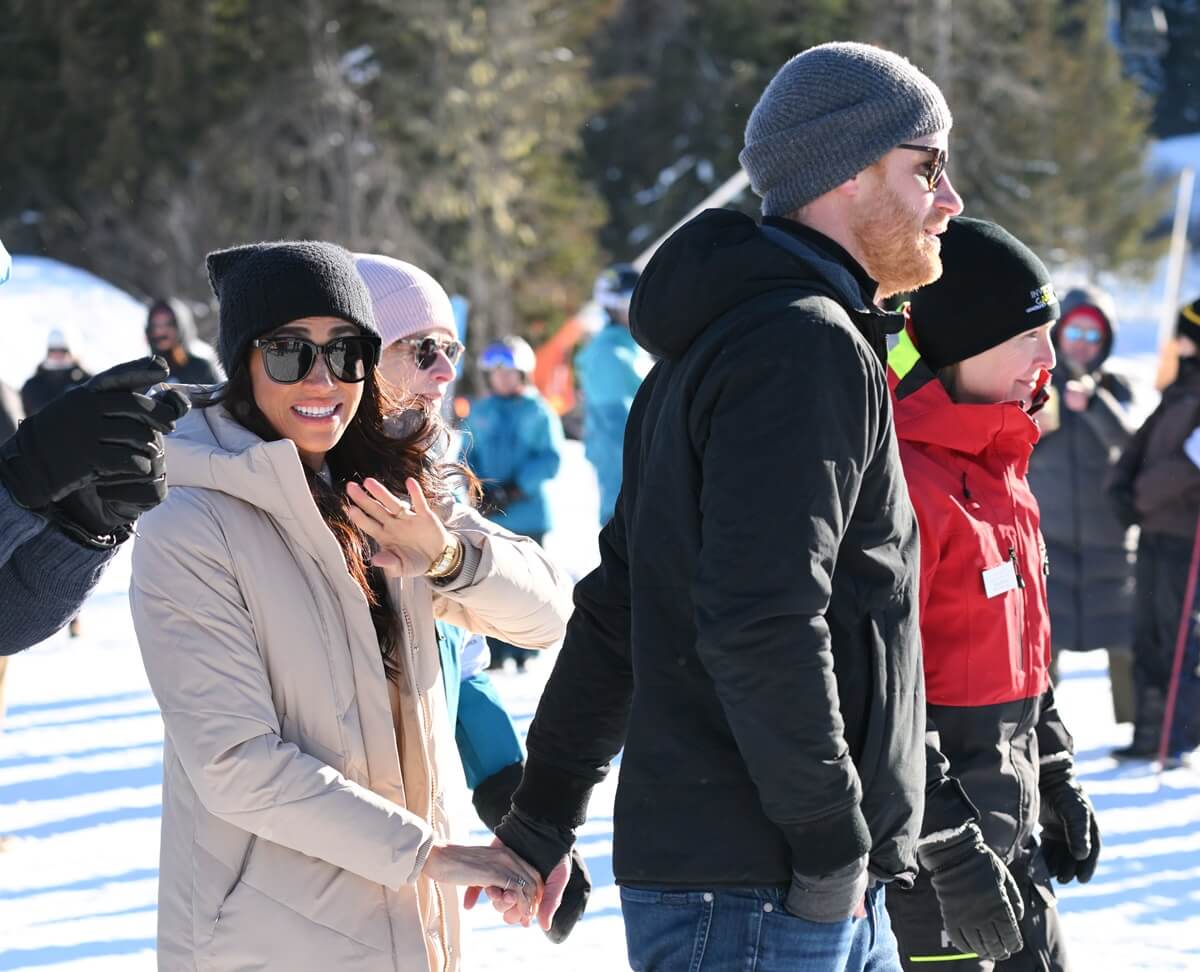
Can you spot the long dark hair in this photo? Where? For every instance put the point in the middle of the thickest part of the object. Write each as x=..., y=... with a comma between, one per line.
x=375, y=444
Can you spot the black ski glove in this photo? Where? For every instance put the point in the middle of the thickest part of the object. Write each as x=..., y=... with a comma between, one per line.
x=102, y=433
x=1070, y=834
x=101, y=515
x=493, y=799
x=978, y=896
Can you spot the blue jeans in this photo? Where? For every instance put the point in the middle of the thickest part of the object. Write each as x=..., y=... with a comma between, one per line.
x=748, y=930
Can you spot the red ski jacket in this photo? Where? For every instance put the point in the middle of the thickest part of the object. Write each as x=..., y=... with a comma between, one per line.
x=984, y=618
x=985, y=625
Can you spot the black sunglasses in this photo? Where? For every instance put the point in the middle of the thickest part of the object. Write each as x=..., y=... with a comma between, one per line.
x=288, y=360
x=936, y=168
x=426, y=349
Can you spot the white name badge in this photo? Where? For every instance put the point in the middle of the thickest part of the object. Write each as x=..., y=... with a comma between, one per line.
x=998, y=580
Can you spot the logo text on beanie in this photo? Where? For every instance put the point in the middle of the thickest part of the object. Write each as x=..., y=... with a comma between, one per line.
x=1042, y=297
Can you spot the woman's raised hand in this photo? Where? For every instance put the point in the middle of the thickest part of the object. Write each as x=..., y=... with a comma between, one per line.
x=496, y=868
x=409, y=534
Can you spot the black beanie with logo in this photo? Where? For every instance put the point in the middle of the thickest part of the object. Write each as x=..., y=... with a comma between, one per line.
x=1188, y=322
x=992, y=288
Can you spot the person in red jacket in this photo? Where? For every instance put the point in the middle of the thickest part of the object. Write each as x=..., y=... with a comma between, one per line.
x=966, y=375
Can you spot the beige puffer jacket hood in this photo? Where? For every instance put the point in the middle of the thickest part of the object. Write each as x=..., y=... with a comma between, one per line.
x=295, y=824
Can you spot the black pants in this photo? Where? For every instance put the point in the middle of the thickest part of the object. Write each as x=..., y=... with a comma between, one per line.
x=1162, y=570
x=917, y=923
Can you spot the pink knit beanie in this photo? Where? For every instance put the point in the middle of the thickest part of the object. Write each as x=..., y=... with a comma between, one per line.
x=406, y=298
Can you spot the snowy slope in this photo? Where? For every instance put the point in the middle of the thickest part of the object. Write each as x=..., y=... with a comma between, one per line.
x=106, y=323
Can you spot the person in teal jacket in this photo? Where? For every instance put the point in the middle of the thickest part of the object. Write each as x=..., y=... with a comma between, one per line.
x=513, y=441
x=610, y=370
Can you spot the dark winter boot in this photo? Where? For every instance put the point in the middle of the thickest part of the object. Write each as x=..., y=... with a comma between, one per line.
x=1147, y=727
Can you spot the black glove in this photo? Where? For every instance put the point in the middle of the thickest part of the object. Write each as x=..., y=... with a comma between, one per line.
x=101, y=430
x=493, y=799
x=102, y=515
x=979, y=899
x=1070, y=834
x=497, y=497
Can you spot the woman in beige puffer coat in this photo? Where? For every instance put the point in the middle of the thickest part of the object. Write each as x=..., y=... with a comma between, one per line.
x=307, y=745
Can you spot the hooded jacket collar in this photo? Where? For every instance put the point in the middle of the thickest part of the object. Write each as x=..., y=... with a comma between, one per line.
x=926, y=413
x=722, y=259
x=209, y=450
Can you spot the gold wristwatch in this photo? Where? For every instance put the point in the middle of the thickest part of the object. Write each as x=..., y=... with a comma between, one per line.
x=448, y=562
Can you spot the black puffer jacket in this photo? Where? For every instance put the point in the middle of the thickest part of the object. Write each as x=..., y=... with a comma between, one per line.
x=1155, y=484
x=751, y=634
x=1091, y=553
x=47, y=384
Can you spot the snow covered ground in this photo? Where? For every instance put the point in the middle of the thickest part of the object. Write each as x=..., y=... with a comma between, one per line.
x=80, y=767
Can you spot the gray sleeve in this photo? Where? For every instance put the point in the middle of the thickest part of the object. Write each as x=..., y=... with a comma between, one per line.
x=44, y=576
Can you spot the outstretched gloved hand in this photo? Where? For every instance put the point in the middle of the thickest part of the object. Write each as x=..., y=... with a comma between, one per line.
x=92, y=460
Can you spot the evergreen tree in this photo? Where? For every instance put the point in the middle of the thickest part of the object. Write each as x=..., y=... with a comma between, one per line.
x=1049, y=138
x=488, y=142
x=678, y=79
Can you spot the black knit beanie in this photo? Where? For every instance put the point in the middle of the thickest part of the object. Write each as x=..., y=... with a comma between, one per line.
x=262, y=286
x=1188, y=322
x=992, y=288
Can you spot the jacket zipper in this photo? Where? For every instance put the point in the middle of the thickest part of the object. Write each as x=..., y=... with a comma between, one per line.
x=427, y=718
x=1012, y=555
x=1027, y=701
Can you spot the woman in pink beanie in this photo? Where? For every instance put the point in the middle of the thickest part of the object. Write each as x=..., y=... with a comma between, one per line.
x=416, y=321
x=420, y=351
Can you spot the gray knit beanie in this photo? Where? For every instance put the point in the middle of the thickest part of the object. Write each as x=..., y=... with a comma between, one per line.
x=829, y=113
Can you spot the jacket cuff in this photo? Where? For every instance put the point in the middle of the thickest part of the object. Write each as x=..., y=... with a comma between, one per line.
x=1055, y=768
x=831, y=843
x=493, y=797
x=17, y=525
x=472, y=556
x=550, y=794
x=63, y=568
x=947, y=808
x=421, y=858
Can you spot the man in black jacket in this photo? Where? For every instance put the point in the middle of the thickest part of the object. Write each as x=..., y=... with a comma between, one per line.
x=750, y=636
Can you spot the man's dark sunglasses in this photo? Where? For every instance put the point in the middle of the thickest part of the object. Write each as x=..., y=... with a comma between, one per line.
x=288, y=360
x=936, y=168
x=425, y=350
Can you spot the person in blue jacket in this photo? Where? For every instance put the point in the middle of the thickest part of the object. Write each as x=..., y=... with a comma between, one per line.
x=610, y=370
x=513, y=442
